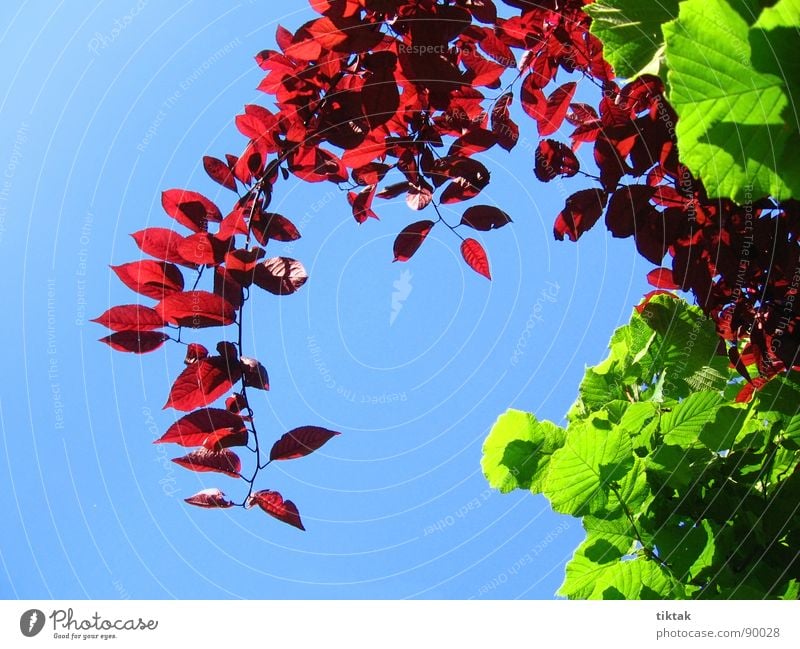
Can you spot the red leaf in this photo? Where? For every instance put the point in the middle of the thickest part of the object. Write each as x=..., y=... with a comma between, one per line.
x=136, y=342
x=628, y=209
x=254, y=373
x=380, y=94
x=274, y=504
x=554, y=159
x=475, y=256
x=219, y=172
x=131, y=317
x=662, y=278
x=410, y=239
x=474, y=141
x=419, y=196
x=196, y=309
x=161, y=243
x=236, y=403
x=394, y=190
x=580, y=213
x=649, y=296
x=532, y=98
x=241, y=264
x=370, y=174
x=227, y=287
x=194, y=353
x=280, y=275
x=190, y=209
x=300, y=442
x=209, y=498
x=556, y=108
x=469, y=178
x=459, y=190
x=503, y=127
x=268, y=225
x=203, y=249
x=212, y=428
x=202, y=460
x=485, y=217
x=151, y=278
x=202, y=383
x=361, y=203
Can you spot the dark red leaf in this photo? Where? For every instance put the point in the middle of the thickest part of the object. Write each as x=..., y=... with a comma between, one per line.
x=580, y=213
x=219, y=172
x=268, y=225
x=485, y=217
x=274, y=504
x=202, y=383
x=554, y=159
x=419, y=196
x=131, y=317
x=532, y=98
x=136, y=342
x=629, y=206
x=190, y=209
x=203, y=249
x=212, y=428
x=556, y=108
x=394, y=190
x=661, y=278
x=379, y=94
x=469, y=178
x=236, y=403
x=240, y=264
x=280, y=275
x=474, y=141
x=300, y=442
x=410, y=239
x=161, y=243
x=151, y=278
x=475, y=256
x=254, y=373
x=194, y=353
x=503, y=127
x=202, y=460
x=196, y=309
x=361, y=203
x=370, y=174
x=209, y=498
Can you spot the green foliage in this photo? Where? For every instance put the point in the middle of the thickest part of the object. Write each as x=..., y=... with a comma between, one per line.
x=737, y=129
x=631, y=33
x=683, y=494
x=733, y=77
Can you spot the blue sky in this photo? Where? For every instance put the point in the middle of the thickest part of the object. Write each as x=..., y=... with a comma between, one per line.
x=97, y=121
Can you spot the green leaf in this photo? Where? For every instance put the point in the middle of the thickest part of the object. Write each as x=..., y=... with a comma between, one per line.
x=734, y=126
x=607, y=539
x=516, y=454
x=683, y=424
x=721, y=432
x=685, y=347
x=678, y=467
x=688, y=549
x=791, y=433
x=584, y=472
x=781, y=394
x=639, y=578
x=630, y=31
